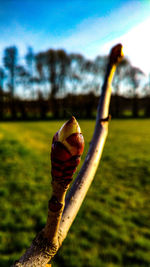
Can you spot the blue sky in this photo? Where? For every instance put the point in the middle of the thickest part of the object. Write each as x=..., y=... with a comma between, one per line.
x=89, y=27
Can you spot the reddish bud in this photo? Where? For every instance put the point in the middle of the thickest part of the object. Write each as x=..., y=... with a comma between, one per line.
x=116, y=54
x=60, y=152
x=67, y=147
x=76, y=143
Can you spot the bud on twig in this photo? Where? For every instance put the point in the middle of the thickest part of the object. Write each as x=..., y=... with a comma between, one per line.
x=67, y=148
x=116, y=54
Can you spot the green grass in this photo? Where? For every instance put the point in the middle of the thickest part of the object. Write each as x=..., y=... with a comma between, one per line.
x=113, y=225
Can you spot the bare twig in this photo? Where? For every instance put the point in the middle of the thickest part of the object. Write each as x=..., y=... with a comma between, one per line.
x=47, y=242
x=82, y=183
x=67, y=148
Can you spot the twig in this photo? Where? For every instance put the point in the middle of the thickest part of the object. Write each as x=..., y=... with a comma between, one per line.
x=47, y=242
x=83, y=181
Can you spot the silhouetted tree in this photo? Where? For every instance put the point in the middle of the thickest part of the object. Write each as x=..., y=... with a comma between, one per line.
x=134, y=78
x=120, y=74
x=22, y=79
x=22, y=76
x=2, y=76
x=51, y=67
x=30, y=57
x=89, y=78
x=10, y=63
x=93, y=72
x=42, y=105
x=51, y=58
x=41, y=68
x=75, y=72
x=39, y=63
x=63, y=65
x=146, y=90
x=100, y=64
x=57, y=74
x=57, y=62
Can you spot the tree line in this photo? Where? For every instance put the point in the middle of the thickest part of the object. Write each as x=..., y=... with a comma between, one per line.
x=54, y=84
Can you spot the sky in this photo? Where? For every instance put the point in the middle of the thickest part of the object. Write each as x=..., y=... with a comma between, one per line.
x=89, y=27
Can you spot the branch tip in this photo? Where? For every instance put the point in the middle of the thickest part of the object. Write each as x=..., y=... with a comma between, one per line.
x=116, y=54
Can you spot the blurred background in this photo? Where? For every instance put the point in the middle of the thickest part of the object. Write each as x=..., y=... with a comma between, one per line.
x=53, y=57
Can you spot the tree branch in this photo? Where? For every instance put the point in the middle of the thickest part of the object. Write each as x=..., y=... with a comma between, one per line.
x=47, y=242
x=83, y=181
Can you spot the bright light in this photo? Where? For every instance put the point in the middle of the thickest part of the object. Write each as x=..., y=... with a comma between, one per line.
x=136, y=45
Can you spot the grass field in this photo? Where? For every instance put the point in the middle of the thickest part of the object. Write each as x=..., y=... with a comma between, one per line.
x=113, y=225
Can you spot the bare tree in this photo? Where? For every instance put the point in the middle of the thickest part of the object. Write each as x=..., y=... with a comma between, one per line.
x=2, y=76
x=120, y=75
x=29, y=57
x=10, y=62
x=146, y=90
x=134, y=76
x=61, y=213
